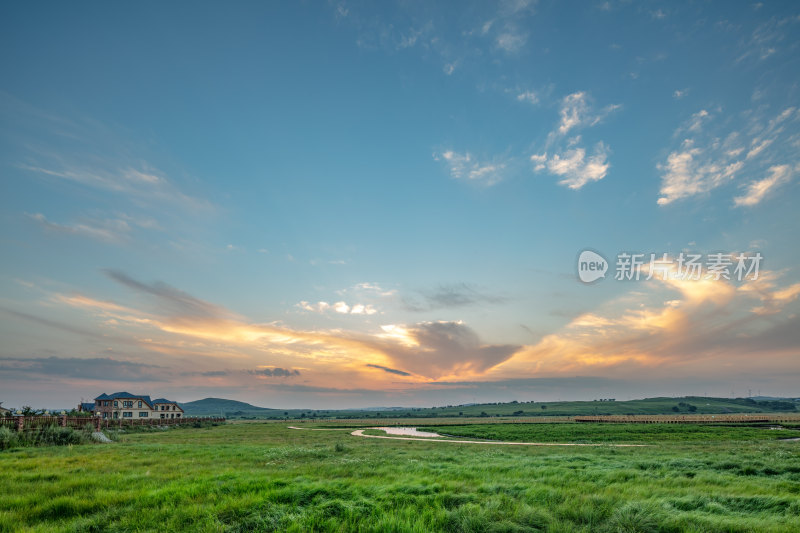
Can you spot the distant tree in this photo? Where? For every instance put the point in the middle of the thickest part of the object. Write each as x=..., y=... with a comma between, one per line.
x=544, y=407
x=778, y=405
x=676, y=408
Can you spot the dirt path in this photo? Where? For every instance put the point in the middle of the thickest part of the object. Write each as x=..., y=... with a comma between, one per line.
x=360, y=433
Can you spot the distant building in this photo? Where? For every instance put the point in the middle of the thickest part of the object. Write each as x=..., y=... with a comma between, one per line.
x=167, y=409
x=131, y=407
x=123, y=405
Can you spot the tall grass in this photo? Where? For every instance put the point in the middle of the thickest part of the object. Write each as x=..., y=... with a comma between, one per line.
x=612, y=433
x=265, y=477
x=50, y=435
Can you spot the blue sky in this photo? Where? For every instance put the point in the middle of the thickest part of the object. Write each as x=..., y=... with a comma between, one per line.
x=347, y=204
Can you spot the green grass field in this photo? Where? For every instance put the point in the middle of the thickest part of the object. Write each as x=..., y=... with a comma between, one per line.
x=265, y=477
x=614, y=433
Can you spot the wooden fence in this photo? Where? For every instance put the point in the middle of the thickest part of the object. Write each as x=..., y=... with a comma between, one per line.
x=21, y=423
x=739, y=418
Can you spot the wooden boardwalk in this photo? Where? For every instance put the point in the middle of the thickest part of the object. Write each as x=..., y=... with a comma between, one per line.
x=738, y=418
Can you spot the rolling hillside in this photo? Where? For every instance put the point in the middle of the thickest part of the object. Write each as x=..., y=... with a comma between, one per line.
x=648, y=406
x=223, y=407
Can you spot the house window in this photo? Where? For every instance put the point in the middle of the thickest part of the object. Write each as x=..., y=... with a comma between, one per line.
x=127, y=414
x=140, y=404
x=116, y=414
x=162, y=415
x=178, y=415
x=173, y=407
x=128, y=403
x=116, y=403
x=105, y=415
x=143, y=414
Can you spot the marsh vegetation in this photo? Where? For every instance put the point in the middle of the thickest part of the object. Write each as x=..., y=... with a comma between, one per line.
x=266, y=477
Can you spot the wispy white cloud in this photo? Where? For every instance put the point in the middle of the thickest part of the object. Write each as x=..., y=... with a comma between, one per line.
x=528, y=96
x=697, y=120
x=511, y=41
x=574, y=110
x=573, y=166
x=374, y=288
x=772, y=298
x=342, y=308
x=768, y=39
x=705, y=161
x=412, y=36
x=577, y=112
x=88, y=154
x=145, y=185
x=108, y=230
x=498, y=30
x=319, y=307
x=464, y=166
x=758, y=146
x=691, y=171
x=757, y=190
x=564, y=156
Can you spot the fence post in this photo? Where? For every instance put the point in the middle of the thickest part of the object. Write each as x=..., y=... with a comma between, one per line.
x=97, y=423
x=62, y=421
x=19, y=423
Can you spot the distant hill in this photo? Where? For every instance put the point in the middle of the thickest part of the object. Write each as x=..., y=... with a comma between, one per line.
x=221, y=406
x=647, y=406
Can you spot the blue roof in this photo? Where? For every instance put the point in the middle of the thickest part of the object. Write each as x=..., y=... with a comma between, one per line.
x=163, y=400
x=120, y=395
x=87, y=406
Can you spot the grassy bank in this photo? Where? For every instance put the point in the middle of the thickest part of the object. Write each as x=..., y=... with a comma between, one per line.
x=620, y=433
x=265, y=477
